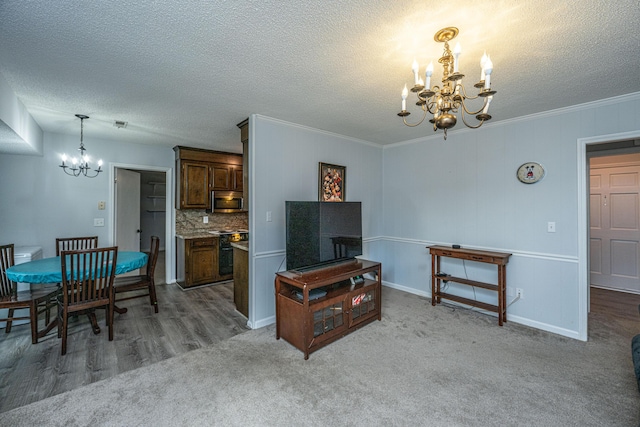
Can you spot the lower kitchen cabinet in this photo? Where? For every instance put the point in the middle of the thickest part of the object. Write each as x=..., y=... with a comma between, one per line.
x=197, y=261
x=241, y=278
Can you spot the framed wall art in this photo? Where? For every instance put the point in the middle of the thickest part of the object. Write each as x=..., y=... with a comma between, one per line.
x=332, y=183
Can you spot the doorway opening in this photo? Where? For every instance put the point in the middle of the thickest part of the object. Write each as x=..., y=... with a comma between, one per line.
x=589, y=148
x=154, y=211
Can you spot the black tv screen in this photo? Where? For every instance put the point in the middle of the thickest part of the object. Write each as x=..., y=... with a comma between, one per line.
x=321, y=233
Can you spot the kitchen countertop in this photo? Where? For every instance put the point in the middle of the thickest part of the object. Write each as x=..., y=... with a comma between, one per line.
x=199, y=234
x=243, y=246
x=196, y=235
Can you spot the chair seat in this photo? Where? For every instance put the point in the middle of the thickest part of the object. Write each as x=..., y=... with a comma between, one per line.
x=130, y=283
x=143, y=283
x=24, y=298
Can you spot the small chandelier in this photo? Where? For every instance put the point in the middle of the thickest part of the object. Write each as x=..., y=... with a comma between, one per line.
x=80, y=166
x=443, y=102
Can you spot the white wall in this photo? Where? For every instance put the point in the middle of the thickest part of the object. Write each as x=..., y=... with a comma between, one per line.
x=283, y=165
x=40, y=202
x=464, y=190
x=22, y=133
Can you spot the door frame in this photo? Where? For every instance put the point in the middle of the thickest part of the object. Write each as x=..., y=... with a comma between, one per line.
x=169, y=244
x=583, y=222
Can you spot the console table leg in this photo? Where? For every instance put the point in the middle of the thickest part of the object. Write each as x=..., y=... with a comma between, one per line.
x=502, y=280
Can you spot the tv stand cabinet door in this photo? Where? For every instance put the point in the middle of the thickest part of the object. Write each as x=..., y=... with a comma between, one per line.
x=327, y=321
x=364, y=305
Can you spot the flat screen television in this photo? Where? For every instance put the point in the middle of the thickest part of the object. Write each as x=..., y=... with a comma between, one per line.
x=322, y=233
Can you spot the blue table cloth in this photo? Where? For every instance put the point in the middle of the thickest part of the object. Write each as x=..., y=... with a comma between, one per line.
x=48, y=270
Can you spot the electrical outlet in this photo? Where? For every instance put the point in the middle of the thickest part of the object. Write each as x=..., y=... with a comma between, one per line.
x=101, y=206
x=98, y=222
x=519, y=293
x=205, y=220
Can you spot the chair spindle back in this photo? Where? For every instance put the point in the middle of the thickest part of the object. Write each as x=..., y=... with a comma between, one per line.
x=7, y=287
x=87, y=275
x=75, y=243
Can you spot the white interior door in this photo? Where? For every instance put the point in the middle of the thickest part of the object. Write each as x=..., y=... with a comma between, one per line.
x=615, y=227
x=127, y=217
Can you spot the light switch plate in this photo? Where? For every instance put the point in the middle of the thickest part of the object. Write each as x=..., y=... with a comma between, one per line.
x=98, y=222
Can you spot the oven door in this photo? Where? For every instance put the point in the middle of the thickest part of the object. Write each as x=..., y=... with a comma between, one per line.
x=225, y=257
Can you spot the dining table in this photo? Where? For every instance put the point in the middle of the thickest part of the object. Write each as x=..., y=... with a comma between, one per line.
x=49, y=270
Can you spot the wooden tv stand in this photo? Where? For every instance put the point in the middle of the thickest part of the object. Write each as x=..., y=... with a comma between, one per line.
x=497, y=258
x=311, y=323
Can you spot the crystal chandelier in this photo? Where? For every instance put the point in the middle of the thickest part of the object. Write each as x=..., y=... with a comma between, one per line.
x=80, y=166
x=443, y=102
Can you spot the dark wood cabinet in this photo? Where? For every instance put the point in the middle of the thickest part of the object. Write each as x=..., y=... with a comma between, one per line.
x=241, y=280
x=226, y=177
x=318, y=307
x=197, y=261
x=194, y=179
x=244, y=138
x=203, y=171
x=237, y=182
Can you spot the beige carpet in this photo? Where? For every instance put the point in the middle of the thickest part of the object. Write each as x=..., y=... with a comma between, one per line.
x=421, y=365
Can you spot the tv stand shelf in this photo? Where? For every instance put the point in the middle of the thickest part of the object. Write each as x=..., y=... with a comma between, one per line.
x=499, y=259
x=309, y=324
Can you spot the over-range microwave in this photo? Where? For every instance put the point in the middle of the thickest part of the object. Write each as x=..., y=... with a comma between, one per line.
x=226, y=201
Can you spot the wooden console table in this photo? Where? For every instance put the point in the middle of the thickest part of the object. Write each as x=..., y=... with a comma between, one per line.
x=499, y=259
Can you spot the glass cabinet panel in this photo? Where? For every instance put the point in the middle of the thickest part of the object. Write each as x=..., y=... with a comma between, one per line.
x=328, y=318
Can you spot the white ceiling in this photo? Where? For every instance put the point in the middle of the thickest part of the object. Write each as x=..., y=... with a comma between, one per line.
x=186, y=72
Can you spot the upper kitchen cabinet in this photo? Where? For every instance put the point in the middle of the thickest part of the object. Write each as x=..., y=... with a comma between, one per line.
x=226, y=177
x=202, y=171
x=194, y=185
x=244, y=138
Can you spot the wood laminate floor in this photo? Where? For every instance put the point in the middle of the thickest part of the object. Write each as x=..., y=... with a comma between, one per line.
x=187, y=320
x=614, y=303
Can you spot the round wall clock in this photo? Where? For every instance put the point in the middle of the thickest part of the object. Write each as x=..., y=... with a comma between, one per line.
x=530, y=172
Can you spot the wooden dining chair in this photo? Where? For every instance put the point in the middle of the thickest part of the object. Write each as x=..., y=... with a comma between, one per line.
x=75, y=243
x=143, y=285
x=36, y=301
x=87, y=284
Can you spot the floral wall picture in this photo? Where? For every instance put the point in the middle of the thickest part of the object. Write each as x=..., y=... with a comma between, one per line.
x=333, y=181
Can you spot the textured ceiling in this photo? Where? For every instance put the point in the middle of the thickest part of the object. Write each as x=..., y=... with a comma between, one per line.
x=186, y=72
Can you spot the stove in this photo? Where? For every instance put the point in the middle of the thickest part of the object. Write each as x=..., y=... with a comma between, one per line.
x=225, y=251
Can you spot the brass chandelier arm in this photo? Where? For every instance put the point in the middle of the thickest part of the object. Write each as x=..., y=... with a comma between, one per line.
x=424, y=116
x=473, y=113
x=464, y=92
x=467, y=124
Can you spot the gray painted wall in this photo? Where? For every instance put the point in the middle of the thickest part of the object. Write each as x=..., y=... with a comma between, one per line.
x=40, y=202
x=283, y=165
x=464, y=190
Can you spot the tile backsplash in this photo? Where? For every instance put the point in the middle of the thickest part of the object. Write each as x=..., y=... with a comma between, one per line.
x=189, y=221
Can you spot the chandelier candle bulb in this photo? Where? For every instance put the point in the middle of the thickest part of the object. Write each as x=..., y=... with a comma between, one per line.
x=456, y=54
x=486, y=106
x=429, y=73
x=487, y=71
x=405, y=93
x=483, y=61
